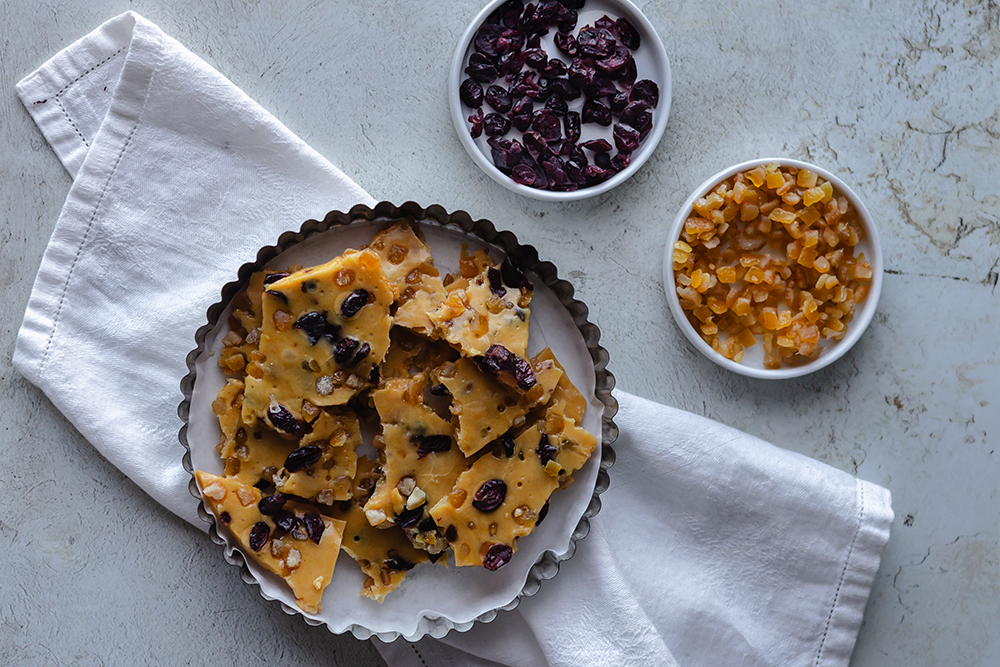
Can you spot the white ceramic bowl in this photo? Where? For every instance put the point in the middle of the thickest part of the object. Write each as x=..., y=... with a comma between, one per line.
x=752, y=363
x=651, y=63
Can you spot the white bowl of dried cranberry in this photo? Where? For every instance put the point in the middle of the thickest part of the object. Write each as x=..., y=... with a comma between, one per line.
x=560, y=100
x=773, y=268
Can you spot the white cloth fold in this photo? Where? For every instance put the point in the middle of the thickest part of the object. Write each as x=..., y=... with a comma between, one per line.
x=712, y=547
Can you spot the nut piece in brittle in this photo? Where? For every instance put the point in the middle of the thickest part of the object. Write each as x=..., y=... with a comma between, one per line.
x=483, y=407
x=420, y=462
x=384, y=554
x=499, y=499
x=487, y=308
x=323, y=331
x=291, y=540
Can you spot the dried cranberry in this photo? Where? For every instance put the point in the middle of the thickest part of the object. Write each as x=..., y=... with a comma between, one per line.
x=557, y=106
x=544, y=91
x=314, y=526
x=259, y=535
x=592, y=174
x=497, y=358
x=507, y=443
x=626, y=138
x=271, y=504
x=568, y=20
x=597, y=145
x=374, y=375
x=628, y=74
x=574, y=169
x=627, y=34
x=621, y=161
x=564, y=89
x=509, y=13
x=510, y=64
x=408, y=518
x=471, y=93
x=639, y=116
x=524, y=84
x=514, y=276
x=573, y=4
x=571, y=126
x=524, y=375
x=596, y=112
x=594, y=42
x=477, y=123
x=497, y=556
x=225, y=518
x=645, y=91
x=566, y=43
x=546, y=124
x=506, y=158
x=362, y=352
x=498, y=98
x=538, y=147
x=315, y=325
x=618, y=101
x=523, y=174
x=582, y=73
x=433, y=443
x=522, y=106
x=282, y=420
x=510, y=40
x=495, y=125
x=603, y=160
x=426, y=525
x=285, y=520
x=619, y=57
x=555, y=172
x=398, y=564
x=496, y=284
x=303, y=457
x=545, y=450
x=451, y=534
x=490, y=495
x=275, y=277
x=605, y=22
x=536, y=58
x=344, y=350
x=520, y=114
x=439, y=390
x=278, y=295
x=481, y=68
x=350, y=306
x=487, y=37
x=556, y=68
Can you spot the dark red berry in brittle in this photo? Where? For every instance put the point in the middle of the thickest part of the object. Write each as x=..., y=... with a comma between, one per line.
x=497, y=556
x=259, y=535
x=490, y=495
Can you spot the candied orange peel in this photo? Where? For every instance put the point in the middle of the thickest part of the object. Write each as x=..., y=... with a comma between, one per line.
x=768, y=256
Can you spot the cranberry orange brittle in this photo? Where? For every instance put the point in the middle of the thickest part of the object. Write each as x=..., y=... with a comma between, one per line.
x=473, y=437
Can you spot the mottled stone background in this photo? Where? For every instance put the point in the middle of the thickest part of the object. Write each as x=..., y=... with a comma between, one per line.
x=900, y=98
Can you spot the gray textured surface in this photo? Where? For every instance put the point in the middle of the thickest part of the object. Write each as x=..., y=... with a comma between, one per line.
x=898, y=98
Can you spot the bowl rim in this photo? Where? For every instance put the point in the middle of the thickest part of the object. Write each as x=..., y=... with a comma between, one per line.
x=858, y=324
x=639, y=157
x=548, y=563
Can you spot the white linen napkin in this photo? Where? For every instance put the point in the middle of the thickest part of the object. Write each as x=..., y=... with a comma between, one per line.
x=713, y=547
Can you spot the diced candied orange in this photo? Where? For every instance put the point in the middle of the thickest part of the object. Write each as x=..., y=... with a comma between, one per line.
x=717, y=218
x=852, y=236
x=785, y=341
x=774, y=179
x=791, y=198
x=830, y=237
x=808, y=215
x=807, y=256
x=702, y=313
x=783, y=216
x=770, y=318
x=764, y=225
x=747, y=338
x=812, y=195
x=717, y=306
x=748, y=212
x=822, y=264
x=784, y=318
x=756, y=176
x=806, y=178
x=695, y=226
x=756, y=276
x=726, y=274
x=793, y=249
x=862, y=272
x=742, y=306
x=783, y=189
x=827, y=189
x=768, y=206
x=739, y=190
x=710, y=328
x=810, y=238
x=795, y=230
x=759, y=293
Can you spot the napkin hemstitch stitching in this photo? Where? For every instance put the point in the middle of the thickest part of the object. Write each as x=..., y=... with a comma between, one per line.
x=97, y=206
x=843, y=574
x=62, y=90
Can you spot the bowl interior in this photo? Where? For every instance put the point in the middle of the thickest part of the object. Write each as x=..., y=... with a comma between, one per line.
x=651, y=63
x=753, y=360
